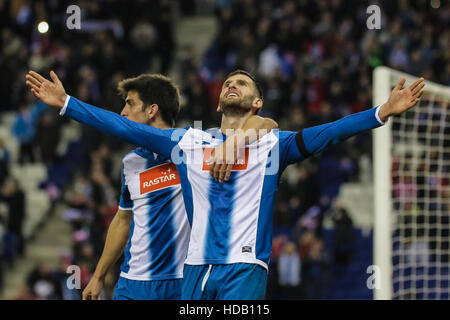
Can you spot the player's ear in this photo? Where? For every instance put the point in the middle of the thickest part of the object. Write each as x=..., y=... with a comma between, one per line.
x=152, y=111
x=257, y=105
x=219, y=109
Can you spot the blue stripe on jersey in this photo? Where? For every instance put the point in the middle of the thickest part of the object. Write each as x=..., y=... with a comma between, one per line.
x=186, y=189
x=219, y=218
x=263, y=245
x=126, y=262
x=125, y=198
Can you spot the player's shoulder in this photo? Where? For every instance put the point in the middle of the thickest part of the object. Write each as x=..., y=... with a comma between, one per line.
x=280, y=135
x=198, y=136
x=284, y=135
x=139, y=155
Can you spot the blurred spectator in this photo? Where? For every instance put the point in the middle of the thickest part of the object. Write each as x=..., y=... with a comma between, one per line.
x=14, y=197
x=316, y=268
x=24, y=128
x=273, y=280
x=5, y=160
x=344, y=237
x=48, y=135
x=289, y=272
x=165, y=44
x=43, y=284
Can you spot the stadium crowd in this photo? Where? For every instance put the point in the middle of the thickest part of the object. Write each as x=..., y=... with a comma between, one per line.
x=314, y=60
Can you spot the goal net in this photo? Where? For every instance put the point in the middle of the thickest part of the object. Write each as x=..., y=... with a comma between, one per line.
x=412, y=194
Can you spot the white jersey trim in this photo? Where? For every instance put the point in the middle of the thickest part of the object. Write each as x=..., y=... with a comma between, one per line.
x=151, y=278
x=64, y=108
x=195, y=262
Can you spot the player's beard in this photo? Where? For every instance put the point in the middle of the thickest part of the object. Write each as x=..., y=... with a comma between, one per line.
x=236, y=107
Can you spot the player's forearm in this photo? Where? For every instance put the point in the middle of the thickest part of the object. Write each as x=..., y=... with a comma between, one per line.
x=115, y=243
x=315, y=139
x=154, y=139
x=254, y=128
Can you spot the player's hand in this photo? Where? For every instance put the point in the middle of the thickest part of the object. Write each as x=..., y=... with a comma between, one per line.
x=93, y=289
x=402, y=99
x=49, y=92
x=219, y=164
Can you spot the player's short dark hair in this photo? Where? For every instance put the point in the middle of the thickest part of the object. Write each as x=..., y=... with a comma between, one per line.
x=155, y=89
x=248, y=74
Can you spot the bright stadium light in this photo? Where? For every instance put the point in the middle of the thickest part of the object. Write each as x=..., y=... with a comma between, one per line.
x=435, y=4
x=43, y=27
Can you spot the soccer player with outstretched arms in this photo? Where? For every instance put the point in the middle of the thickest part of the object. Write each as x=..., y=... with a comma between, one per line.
x=151, y=227
x=231, y=221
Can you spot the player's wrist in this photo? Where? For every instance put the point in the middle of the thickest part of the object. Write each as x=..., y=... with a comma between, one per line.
x=383, y=112
x=99, y=274
x=98, y=278
x=62, y=101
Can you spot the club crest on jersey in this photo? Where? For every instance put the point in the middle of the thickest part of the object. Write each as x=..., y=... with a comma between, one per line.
x=236, y=167
x=159, y=177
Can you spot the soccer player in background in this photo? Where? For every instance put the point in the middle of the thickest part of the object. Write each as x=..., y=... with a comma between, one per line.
x=231, y=222
x=151, y=224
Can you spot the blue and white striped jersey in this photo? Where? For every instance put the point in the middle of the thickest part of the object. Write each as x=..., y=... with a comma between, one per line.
x=232, y=221
x=159, y=231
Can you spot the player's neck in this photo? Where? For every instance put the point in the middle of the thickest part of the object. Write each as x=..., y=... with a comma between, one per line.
x=233, y=122
x=159, y=123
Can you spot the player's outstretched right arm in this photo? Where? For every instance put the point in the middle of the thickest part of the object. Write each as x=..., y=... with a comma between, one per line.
x=53, y=94
x=116, y=241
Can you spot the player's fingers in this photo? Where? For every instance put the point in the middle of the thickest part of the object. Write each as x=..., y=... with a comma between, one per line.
x=32, y=85
x=94, y=297
x=54, y=77
x=30, y=76
x=216, y=171
x=33, y=80
x=211, y=169
x=416, y=83
x=35, y=93
x=417, y=89
x=84, y=295
x=228, y=172
x=400, y=84
x=37, y=76
x=223, y=172
x=420, y=94
x=416, y=99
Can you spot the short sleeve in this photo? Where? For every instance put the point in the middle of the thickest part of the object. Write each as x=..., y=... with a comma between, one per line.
x=125, y=200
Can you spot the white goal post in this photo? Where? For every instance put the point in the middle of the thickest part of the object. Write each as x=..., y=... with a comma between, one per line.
x=412, y=195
